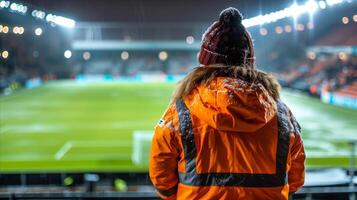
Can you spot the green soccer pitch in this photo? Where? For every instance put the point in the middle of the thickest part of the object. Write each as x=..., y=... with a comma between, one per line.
x=78, y=127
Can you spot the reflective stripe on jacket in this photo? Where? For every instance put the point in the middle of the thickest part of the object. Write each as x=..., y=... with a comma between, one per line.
x=227, y=140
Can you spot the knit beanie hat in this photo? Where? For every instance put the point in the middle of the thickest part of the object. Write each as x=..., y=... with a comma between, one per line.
x=227, y=41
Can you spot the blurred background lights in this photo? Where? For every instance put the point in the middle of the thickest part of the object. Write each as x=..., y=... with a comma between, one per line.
x=18, y=30
x=124, y=55
x=345, y=20
x=263, y=31
x=4, y=4
x=38, y=14
x=311, y=55
x=322, y=4
x=279, y=30
x=333, y=2
x=190, y=39
x=342, y=56
x=38, y=31
x=163, y=55
x=5, y=54
x=68, y=54
x=86, y=55
x=18, y=8
x=62, y=21
x=300, y=27
x=5, y=29
x=21, y=30
x=287, y=28
x=355, y=18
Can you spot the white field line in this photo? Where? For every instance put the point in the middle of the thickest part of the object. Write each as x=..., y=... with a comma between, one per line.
x=101, y=143
x=65, y=148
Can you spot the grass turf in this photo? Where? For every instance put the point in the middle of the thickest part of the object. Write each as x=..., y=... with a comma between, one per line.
x=63, y=126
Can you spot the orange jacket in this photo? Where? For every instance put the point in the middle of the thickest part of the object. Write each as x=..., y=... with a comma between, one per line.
x=227, y=140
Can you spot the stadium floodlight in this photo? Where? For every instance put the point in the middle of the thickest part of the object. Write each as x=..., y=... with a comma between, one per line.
x=86, y=55
x=333, y=2
x=263, y=31
x=4, y=4
x=68, y=54
x=287, y=28
x=294, y=11
x=15, y=30
x=5, y=54
x=62, y=21
x=190, y=39
x=21, y=30
x=18, y=8
x=124, y=55
x=345, y=20
x=279, y=30
x=5, y=29
x=322, y=4
x=38, y=31
x=38, y=14
x=163, y=55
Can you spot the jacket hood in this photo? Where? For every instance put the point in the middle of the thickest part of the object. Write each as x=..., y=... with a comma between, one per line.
x=231, y=104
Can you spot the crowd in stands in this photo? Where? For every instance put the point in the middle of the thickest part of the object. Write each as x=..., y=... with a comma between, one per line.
x=327, y=73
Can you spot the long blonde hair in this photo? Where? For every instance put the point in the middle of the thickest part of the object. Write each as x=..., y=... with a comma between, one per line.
x=205, y=74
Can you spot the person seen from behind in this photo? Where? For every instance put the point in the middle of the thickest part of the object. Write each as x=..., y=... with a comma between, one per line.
x=226, y=133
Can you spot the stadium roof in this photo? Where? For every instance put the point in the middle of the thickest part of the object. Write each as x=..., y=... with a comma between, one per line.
x=155, y=10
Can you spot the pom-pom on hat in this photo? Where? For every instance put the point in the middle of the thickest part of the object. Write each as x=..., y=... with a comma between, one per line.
x=227, y=41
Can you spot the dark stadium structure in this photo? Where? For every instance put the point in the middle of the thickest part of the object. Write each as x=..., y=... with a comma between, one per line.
x=68, y=49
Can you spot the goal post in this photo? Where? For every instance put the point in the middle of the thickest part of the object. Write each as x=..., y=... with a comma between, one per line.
x=141, y=147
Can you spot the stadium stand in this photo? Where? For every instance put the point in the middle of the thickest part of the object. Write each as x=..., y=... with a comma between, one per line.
x=320, y=61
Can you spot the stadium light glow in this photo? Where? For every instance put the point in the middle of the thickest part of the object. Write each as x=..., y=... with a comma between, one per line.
x=190, y=39
x=279, y=30
x=68, y=54
x=333, y=2
x=5, y=54
x=15, y=29
x=287, y=28
x=15, y=7
x=263, y=31
x=38, y=14
x=355, y=18
x=345, y=20
x=342, y=56
x=21, y=30
x=62, y=21
x=311, y=55
x=322, y=4
x=4, y=4
x=124, y=55
x=300, y=27
x=163, y=55
x=38, y=31
x=5, y=29
x=295, y=10
x=86, y=55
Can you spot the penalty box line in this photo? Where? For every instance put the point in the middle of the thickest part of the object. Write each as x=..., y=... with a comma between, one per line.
x=63, y=150
x=104, y=143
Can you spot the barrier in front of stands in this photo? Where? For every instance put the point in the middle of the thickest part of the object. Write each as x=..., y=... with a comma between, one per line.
x=335, y=99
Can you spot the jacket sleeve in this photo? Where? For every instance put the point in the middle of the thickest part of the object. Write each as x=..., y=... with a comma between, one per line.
x=296, y=174
x=164, y=158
